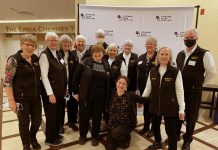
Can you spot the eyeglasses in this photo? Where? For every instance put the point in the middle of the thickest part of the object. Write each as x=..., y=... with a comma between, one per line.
x=29, y=45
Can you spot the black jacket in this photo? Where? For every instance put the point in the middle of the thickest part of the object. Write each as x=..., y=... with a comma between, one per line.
x=26, y=81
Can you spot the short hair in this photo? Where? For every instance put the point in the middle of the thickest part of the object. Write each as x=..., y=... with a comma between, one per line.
x=64, y=38
x=151, y=40
x=157, y=57
x=112, y=45
x=123, y=77
x=100, y=31
x=50, y=34
x=128, y=42
x=97, y=48
x=193, y=30
x=79, y=37
x=28, y=38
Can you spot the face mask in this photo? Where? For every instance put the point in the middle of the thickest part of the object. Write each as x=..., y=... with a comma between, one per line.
x=190, y=43
x=100, y=40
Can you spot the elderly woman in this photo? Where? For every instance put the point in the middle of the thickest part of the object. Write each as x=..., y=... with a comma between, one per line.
x=22, y=80
x=128, y=66
x=165, y=88
x=54, y=79
x=70, y=63
x=91, y=87
x=122, y=112
x=145, y=63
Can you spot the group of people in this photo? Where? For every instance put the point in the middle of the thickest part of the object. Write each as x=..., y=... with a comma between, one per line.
x=102, y=82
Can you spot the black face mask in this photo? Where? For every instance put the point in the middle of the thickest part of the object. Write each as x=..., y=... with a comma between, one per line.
x=190, y=43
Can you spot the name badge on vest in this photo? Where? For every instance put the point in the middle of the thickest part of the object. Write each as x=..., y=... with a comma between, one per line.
x=140, y=62
x=191, y=63
x=168, y=79
x=62, y=61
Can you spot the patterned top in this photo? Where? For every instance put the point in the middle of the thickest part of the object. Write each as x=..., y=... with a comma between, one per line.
x=10, y=71
x=120, y=112
x=98, y=67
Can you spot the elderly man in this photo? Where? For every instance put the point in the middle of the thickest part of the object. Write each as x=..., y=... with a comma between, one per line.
x=100, y=37
x=198, y=68
x=54, y=79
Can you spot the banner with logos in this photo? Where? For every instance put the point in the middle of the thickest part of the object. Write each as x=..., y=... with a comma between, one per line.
x=167, y=24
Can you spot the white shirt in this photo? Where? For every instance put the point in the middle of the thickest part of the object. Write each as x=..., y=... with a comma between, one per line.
x=110, y=60
x=66, y=56
x=178, y=85
x=125, y=64
x=209, y=65
x=80, y=54
x=44, y=67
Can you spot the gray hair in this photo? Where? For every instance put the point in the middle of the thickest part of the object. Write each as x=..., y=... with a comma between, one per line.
x=157, y=57
x=50, y=34
x=112, y=45
x=193, y=30
x=65, y=37
x=100, y=31
x=79, y=37
x=28, y=38
x=151, y=40
x=128, y=42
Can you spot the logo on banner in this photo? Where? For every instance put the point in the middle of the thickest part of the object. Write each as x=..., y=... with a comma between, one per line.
x=125, y=17
x=164, y=18
x=143, y=33
x=87, y=16
x=179, y=34
x=109, y=32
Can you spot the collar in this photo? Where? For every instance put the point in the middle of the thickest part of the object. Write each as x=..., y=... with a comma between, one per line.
x=126, y=56
x=192, y=50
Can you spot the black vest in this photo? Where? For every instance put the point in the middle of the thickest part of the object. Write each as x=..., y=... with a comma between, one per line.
x=163, y=96
x=193, y=70
x=56, y=74
x=26, y=82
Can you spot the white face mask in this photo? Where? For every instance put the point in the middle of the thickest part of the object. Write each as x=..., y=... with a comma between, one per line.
x=100, y=40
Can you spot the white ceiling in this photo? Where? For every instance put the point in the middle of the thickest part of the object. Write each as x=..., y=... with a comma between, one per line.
x=36, y=9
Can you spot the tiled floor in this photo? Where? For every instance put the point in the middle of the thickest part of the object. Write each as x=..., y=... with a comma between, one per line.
x=205, y=137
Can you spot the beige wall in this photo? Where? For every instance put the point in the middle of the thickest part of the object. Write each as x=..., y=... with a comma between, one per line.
x=207, y=24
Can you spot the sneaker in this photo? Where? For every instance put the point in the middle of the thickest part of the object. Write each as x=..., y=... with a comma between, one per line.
x=143, y=131
x=54, y=143
x=82, y=140
x=150, y=133
x=35, y=143
x=155, y=146
x=73, y=127
x=95, y=142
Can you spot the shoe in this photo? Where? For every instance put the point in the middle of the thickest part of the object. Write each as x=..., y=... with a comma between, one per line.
x=26, y=147
x=150, y=133
x=186, y=146
x=35, y=144
x=95, y=142
x=56, y=142
x=143, y=131
x=61, y=130
x=73, y=127
x=60, y=137
x=155, y=146
x=178, y=139
x=82, y=140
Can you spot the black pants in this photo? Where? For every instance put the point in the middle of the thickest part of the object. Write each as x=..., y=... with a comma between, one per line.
x=72, y=110
x=53, y=113
x=192, y=105
x=29, y=110
x=170, y=127
x=118, y=137
x=93, y=108
x=62, y=115
x=146, y=114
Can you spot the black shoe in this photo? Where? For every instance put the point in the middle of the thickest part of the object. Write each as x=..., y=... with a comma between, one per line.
x=35, y=144
x=150, y=133
x=82, y=140
x=186, y=146
x=60, y=137
x=73, y=127
x=155, y=146
x=26, y=147
x=54, y=143
x=95, y=142
x=61, y=130
x=143, y=131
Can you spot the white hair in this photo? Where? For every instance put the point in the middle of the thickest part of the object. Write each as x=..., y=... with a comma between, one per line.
x=100, y=31
x=112, y=45
x=65, y=37
x=50, y=34
x=193, y=30
x=79, y=37
x=128, y=42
